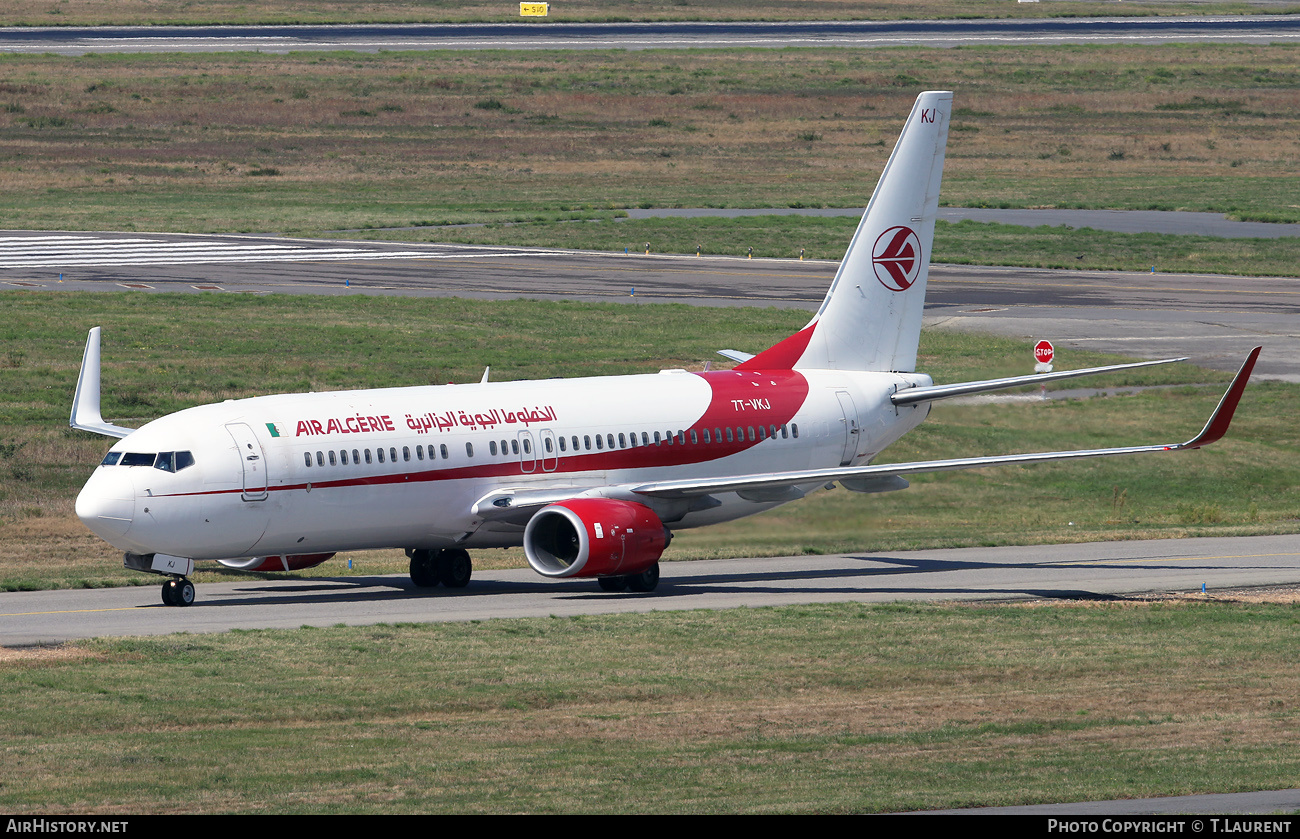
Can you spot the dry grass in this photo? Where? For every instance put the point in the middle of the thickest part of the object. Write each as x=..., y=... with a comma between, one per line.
x=763, y=710
x=337, y=141
x=86, y=12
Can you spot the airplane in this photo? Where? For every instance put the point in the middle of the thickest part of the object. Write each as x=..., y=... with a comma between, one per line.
x=592, y=476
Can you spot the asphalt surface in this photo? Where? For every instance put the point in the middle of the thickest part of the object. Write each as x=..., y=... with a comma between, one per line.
x=1213, y=319
x=553, y=34
x=1097, y=570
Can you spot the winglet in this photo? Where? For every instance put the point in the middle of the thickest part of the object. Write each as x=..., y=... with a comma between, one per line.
x=1219, y=421
x=85, y=402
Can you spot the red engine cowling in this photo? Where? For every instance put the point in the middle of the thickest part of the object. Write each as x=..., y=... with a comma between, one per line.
x=292, y=562
x=594, y=537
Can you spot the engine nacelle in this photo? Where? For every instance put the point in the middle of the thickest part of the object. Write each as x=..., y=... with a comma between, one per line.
x=594, y=537
x=291, y=562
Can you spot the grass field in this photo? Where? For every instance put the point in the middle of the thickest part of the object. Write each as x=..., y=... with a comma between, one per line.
x=166, y=352
x=91, y=12
x=313, y=143
x=811, y=709
x=963, y=243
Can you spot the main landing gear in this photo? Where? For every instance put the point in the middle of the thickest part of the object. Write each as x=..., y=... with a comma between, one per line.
x=643, y=582
x=178, y=591
x=451, y=567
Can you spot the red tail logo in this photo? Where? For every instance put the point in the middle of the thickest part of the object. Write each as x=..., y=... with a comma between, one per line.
x=897, y=257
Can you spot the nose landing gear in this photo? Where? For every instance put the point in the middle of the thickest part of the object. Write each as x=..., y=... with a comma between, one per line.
x=178, y=591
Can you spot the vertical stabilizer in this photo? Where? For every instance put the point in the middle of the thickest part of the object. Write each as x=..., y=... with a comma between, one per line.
x=871, y=317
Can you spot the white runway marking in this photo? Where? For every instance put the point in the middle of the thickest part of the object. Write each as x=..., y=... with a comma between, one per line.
x=73, y=251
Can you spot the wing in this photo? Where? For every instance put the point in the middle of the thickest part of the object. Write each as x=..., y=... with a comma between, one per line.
x=886, y=476
x=516, y=505
x=911, y=396
x=85, y=402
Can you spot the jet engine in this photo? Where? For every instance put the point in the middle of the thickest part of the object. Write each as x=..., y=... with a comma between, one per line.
x=291, y=562
x=594, y=537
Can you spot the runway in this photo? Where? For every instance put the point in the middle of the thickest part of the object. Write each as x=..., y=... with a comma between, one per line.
x=1213, y=319
x=552, y=34
x=1097, y=570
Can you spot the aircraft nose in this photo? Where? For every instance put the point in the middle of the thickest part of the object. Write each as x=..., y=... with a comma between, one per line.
x=106, y=503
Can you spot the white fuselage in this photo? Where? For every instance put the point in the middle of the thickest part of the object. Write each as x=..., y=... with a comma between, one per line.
x=406, y=467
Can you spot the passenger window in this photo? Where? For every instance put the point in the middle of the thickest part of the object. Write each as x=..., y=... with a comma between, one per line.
x=469, y=449
x=586, y=439
x=492, y=448
x=599, y=442
x=406, y=453
x=730, y=437
x=514, y=446
x=622, y=441
x=392, y=454
x=343, y=456
x=380, y=452
x=547, y=442
x=419, y=452
x=320, y=458
x=306, y=458
x=695, y=438
x=562, y=448
x=368, y=460
x=645, y=439
x=333, y=460
x=356, y=457
x=528, y=446
x=794, y=430
x=658, y=439
x=609, y=438
x=443, y=447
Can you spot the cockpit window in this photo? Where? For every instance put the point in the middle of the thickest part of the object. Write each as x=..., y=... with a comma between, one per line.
x=166, y=461
x=173, y=461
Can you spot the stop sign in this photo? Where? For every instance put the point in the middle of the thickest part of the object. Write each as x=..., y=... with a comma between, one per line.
x=1043, y=352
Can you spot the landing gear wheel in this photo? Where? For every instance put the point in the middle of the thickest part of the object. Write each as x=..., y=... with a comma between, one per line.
x=612, y=583
x=455, y=568
x=645, y=581
x=424, y=568
x=178, y=592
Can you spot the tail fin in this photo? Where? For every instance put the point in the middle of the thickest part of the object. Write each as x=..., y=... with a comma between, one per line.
x=871, y=317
